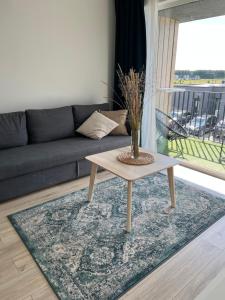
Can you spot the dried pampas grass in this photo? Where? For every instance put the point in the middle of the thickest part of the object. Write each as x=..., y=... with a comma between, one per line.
x=132, y=86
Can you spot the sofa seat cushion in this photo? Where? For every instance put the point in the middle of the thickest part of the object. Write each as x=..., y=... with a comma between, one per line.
x=31, y=158
x=13, y=131
x=45, y=125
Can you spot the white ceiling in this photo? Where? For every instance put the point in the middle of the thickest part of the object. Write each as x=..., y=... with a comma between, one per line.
x=165, y=4
x=185, y=11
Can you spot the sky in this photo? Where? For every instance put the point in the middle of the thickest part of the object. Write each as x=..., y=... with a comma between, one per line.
x=201, y=45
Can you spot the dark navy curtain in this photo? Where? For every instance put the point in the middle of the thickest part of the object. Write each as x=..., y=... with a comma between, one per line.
x=130, y=49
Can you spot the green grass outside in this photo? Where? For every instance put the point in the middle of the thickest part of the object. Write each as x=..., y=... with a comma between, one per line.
x=205, y=154
x=198, y=81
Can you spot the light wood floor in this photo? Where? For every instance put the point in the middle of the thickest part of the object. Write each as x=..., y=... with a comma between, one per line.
x=181, y=277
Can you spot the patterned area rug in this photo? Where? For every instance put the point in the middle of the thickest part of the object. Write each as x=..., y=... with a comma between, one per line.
x=82, y=248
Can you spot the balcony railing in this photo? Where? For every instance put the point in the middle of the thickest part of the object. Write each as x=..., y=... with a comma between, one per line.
x=202, y=115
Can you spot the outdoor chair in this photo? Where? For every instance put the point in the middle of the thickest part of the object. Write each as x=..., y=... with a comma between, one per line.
x=171, y=130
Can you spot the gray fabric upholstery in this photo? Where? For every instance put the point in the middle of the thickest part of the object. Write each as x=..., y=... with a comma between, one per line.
x=31, y=158
x=22, y=185
x=84, y=168
x=83, y=112
x=13, y=131
x=55, y=154
x=46, y=125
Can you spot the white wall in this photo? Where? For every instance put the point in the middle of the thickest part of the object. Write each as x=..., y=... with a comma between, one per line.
x=55, y=52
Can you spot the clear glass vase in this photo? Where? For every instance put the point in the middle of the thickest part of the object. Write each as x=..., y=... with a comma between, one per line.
x=135, y=140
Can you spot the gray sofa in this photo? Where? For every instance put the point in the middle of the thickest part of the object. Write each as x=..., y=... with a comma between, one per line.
x=39, y=148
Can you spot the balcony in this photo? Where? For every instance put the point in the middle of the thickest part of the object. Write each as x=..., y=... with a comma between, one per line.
x=191, y=126
x=206, y=153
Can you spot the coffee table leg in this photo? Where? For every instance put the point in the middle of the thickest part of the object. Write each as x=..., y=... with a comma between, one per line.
x=129, y=206
x=94, y=168
x=171, y=186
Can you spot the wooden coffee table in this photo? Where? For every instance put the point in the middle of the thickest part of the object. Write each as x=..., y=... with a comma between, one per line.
x=108, y=160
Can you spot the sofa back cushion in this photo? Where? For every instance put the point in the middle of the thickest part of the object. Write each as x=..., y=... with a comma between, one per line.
x=13, y=131
x=46, y=125
x=83, y=112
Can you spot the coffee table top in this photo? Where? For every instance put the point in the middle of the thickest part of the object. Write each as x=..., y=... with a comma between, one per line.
x=108, y=160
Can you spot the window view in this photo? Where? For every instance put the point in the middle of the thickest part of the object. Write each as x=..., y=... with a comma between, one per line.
x=196, y=115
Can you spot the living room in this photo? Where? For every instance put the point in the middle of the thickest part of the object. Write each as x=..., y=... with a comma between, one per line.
x=88, y=207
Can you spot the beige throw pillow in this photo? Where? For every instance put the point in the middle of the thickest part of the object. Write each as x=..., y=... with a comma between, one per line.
x=120, y=117
x=97, y=126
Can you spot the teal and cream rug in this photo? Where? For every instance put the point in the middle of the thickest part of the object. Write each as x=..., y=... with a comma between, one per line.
x=82, y=248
